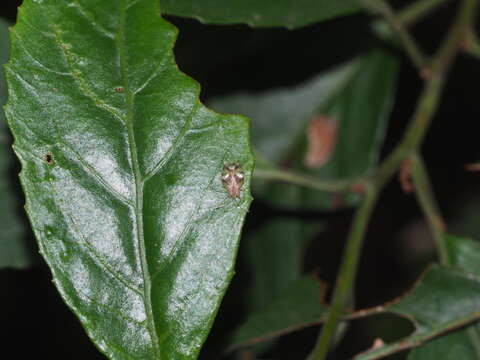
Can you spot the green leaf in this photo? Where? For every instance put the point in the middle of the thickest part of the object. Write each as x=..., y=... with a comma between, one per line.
x=13, y=251
x=274, y=253
x=290, y=14
x=357, y=97
x=443, y=300
x=454, y=346
x=462, y=344
x=464, y=217
x=121, y=171
x=279, y=116
x=464, y=253
x=299, y=305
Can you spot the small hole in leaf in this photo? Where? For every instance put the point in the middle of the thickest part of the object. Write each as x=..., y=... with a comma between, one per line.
x=48, y=158
x=119, y=89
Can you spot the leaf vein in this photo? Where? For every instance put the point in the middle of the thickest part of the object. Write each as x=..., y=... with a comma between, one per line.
x=176, y=143
x=159, y=70
x=91, y=20
x=34, y=59
x=82, y=83
x=53, y=262
x=132, y=3
x=184, y=234
x=101, y=260
x=129, y=121
x=91, y=171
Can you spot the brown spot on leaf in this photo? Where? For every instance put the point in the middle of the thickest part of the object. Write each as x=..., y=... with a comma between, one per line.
x=321, y=137
x=48, y=158
x=119, y=89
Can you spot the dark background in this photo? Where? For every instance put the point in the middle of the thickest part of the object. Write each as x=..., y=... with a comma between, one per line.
x=226, y=59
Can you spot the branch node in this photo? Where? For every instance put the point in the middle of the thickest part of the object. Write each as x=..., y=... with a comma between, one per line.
x=359, y=188
x=405, y=176
x=425, y=72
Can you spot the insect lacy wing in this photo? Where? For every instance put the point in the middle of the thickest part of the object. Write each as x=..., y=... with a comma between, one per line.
x=234, y=188
x=232, y=179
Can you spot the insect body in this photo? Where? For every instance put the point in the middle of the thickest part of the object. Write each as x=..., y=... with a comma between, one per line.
x=232, y=179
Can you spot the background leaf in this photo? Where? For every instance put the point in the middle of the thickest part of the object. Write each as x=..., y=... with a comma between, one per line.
x=13, y=250
x=260, y=13
x=299, y=306
x=275, y=254
x=357, y=97
x=456, y=345
x=443, y=300
x=465, y=343
x=121, y=168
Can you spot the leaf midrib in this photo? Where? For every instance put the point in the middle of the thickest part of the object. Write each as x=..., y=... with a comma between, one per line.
x=139, y=181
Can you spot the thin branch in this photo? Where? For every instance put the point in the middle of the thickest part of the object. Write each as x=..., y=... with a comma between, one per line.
x=407, y=40
x=409, y=145
x=430, y=96
x=409, y=15
x=472, y=43
x=427, y=200
x=347, y=274
x=424, y=193
x=306, y=181
x=417, y=10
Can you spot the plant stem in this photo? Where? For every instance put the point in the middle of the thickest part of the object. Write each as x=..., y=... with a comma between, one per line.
x=472, y=43
x=410, y=15
x=302, y=180
x=417, y=10
x=408, y=42
x=430, y=96
x=347, y=273
x=409, y=145
x=424, y=193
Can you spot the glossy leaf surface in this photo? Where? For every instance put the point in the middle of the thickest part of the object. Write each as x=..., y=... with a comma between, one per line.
x=255, y=13
x=13, y=252
x=356, y=97
x=121, y=170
